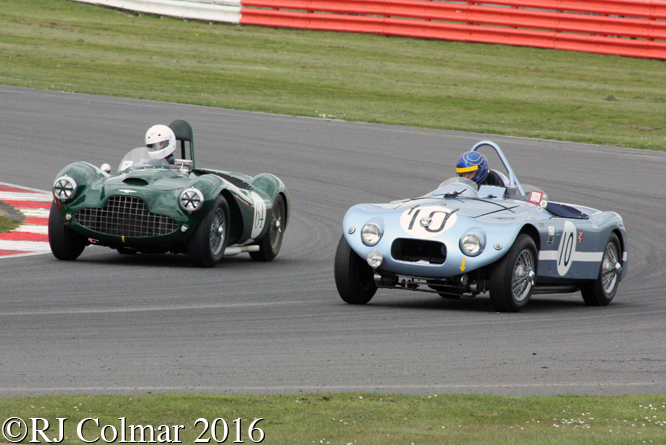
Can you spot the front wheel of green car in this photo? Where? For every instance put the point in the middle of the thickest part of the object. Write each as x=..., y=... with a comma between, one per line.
x=66, y=244
x=206, y=246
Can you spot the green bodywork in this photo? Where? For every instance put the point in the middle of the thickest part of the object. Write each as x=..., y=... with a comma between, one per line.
x=160, y=188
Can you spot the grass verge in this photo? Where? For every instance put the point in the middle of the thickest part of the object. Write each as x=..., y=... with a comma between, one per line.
x=569, y=96
x=7, y=224
x=353, y=418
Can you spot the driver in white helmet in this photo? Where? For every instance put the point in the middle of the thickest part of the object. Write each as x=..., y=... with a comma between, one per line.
x=161, y=143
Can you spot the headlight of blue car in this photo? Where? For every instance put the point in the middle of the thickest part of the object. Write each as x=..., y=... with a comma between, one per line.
x=473, y=242
x=64, y=188
x=191, y=199
x=371, y=233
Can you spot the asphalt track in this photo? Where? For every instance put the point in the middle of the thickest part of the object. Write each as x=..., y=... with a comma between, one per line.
x=114, y=324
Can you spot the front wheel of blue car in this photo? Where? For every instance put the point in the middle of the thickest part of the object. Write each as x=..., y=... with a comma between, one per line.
x=65, y=244
x=601, y=291
x=512, y=278
x=353, y=277
x=206, y=246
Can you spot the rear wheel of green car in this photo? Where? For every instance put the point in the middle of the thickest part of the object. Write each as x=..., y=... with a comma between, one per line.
x=270, y=243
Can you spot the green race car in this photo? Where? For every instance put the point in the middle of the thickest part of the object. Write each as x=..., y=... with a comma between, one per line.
x=155, y=206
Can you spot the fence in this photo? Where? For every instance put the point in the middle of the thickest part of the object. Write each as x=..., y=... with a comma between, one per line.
x=634, y=28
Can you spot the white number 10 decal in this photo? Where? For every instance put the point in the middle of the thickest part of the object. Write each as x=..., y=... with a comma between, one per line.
x=426, y=222
x=567, y=248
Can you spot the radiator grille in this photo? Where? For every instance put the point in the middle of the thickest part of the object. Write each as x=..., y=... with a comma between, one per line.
x=415, y=250
x=125, y=216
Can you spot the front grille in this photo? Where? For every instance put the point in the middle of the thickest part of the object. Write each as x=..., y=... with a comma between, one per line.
x=415, y=250
x=125, y=216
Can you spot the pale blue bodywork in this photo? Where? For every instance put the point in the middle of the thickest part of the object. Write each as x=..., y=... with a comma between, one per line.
x=570, y=239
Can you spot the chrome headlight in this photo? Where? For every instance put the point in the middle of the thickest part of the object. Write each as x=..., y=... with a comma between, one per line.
x=371, y=233
x=191, y=199
x=473, y=242
x=64, y=188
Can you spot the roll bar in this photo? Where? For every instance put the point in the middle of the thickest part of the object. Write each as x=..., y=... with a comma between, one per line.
x=513, y=180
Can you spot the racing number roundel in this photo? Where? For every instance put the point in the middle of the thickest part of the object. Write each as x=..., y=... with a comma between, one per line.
x=259, y=215
x=426, y=222
x=567, y=248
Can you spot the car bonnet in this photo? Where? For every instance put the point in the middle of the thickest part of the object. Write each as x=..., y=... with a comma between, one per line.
x=473, y=208
x=152, y=179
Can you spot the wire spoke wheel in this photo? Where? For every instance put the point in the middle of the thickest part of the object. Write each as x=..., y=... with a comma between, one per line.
x=512, y=278
x=276, y=227
x=609, y=272
x=600, y=292
x=271, y=242
x=206, y=246
x=217, y=232
x=523, y=274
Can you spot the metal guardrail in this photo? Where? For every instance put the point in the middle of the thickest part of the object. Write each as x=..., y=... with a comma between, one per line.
x=634, y=28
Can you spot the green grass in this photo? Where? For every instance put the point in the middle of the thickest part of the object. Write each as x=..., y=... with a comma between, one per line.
x=361, y=418
x=7, y=224
x=569, y=96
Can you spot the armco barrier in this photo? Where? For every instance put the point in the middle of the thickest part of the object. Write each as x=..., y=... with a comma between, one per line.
x=634, y=28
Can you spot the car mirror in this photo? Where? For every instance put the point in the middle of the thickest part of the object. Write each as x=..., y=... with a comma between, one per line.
x=184, y=165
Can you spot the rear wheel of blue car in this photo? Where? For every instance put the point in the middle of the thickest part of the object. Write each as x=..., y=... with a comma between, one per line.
x=206, y=246
x=353, y=277
x=601, y=291
x=512, y=278
x=270, y=243
x=65, y=244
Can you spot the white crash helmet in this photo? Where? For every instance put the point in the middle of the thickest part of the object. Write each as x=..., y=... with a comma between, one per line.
x=161, y=141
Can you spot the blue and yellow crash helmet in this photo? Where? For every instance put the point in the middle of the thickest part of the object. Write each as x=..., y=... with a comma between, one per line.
x=473, y=161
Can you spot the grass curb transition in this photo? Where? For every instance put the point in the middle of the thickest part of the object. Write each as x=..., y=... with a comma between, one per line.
x=8, y=224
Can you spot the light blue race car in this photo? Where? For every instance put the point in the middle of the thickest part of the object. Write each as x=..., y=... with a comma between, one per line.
x=462, y=240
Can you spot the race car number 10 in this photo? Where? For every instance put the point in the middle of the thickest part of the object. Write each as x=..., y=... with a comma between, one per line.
x=567, y=248
x=426, y=222
x=219, y=431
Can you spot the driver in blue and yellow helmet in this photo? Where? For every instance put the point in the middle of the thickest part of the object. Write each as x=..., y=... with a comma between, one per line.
x=474, y=166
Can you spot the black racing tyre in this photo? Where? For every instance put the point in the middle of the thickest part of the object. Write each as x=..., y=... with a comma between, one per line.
x=512, y=278
x=353, y=277
x=270, y=243
x=206, y=246
x=601, y=291
x=66, y=244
